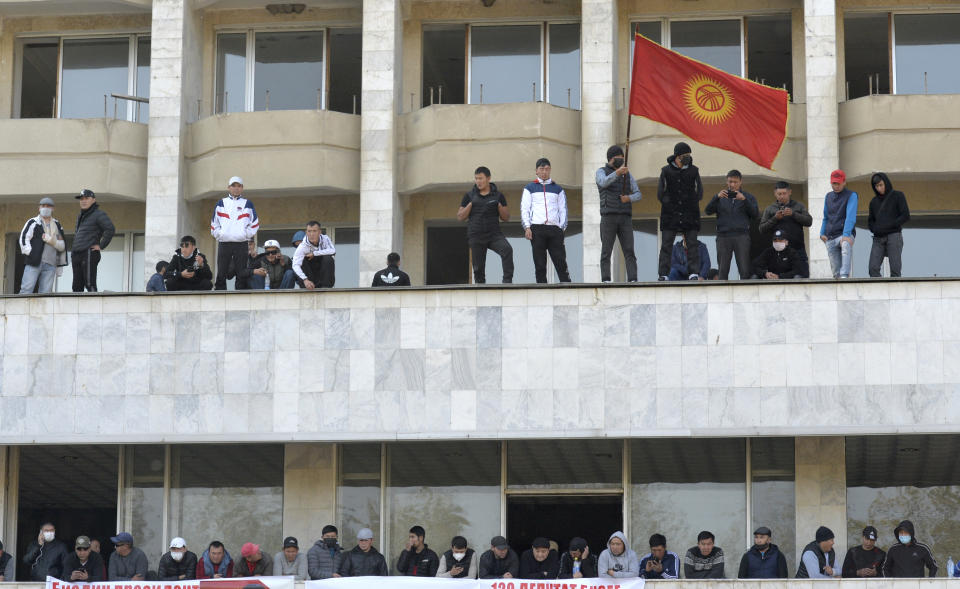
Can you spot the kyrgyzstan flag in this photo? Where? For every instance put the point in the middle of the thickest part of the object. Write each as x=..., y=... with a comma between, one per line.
x=707, y=104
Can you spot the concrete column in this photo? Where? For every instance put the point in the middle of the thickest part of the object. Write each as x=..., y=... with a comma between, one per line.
x=175, y=58
x=598, y=59
x=309, y=491
x=381, y=215
x=823, y=132
x=821, y=489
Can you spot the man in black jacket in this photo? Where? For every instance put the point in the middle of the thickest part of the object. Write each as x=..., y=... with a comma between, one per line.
x=84, y=565
x=764, y=559
x=483, y=208
x=45, y=556
x=787, y=215
x=500, y=562
x=907, y=557
x=679, y=192
x=392, y=275
x=93, y=234
x=865, y=560
x=888, y=213
x=178, y=564
x=618, y=191
x=577, y=562
x=188, y=269
x=43, y=245
x=735, y=210
x=417, y=560
x=539, y=562
x=364, y=560
x=780, y=261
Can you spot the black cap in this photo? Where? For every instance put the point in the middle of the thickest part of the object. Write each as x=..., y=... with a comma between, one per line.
x=870, y=532
x=614, y=151
x=290, y=541
x=824, y=533
x=541, y=542
x=499, y=542
x=578, y=544
x=778, y=234
x=86, y=192
x=763, y=530
x=681, y=148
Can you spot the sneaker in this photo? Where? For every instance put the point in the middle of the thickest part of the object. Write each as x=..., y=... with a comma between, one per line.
x=606, y=281
x=694, y=277
x=661, y=279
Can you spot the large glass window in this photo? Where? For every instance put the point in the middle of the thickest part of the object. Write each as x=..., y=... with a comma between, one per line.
x=921, y=236
x=143, y=497
x=358, y=493
x=866, y=58
x=93, y=69
x=564, y=73
x=449, y=488
x=523, y=260
x=769, y=51
x=444, y=64
x=345, y=78
x=231, y=72
x=231, y=493
x=347, y=242
x=38, y=86
x=505, y=64
x=772, y=492
x=714, y=42
x=892, y=478
x=288, y=70
x=927, y=51
x=682, y=486
x=142, y=110
x=567, y=464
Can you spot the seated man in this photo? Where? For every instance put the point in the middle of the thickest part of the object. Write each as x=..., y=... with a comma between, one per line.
x=539, y=562
x=45, y=555
x=617, y=561
x=324, y=557
x=215, y=562
x=178, y=564
x=705, y=560
x=272, y=265
x=313, y=261
x=764, y=559
x=8, y=566
x=83, y=565
x=678, y=260
x=417, y=560
x=364, y=560
x=659, y=563
x=459, y=562
x=392, y=275
x=780, y=261
x=289, y=562
x=500, y=562
x=156, y=284
x=188, y=269
x=127, y=563
x=253, y=562
x=577, y=562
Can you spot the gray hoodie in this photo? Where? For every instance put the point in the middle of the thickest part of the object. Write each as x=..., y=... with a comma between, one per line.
x=624, y=566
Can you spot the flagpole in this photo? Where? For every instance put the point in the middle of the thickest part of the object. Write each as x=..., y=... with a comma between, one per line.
x=626, y=152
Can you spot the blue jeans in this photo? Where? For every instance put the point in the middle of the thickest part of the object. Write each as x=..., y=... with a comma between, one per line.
x=840, y=254
x=45, y=272
x=259, y=282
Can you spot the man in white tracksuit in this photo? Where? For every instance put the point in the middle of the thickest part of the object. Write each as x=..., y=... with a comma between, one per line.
x=234, y=223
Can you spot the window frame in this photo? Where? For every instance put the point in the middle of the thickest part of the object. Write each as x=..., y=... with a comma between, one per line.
x=892, y=32
x=666, y=36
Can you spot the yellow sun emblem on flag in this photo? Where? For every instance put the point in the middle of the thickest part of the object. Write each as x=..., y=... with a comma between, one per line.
x=707, y=100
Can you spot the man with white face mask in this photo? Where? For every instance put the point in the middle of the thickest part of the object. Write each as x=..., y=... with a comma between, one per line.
x=179, y=563
x=459, y=562
x=45, y=556
x=42, y=242
x=780, y=261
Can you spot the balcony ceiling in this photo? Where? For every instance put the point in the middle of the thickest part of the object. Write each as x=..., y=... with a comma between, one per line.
x=71, y=7
x=248, y=4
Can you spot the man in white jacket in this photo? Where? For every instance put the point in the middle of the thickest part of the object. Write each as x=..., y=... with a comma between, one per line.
x=234, y=223
x=313, y=260
x=43, y=243
x=543, y=212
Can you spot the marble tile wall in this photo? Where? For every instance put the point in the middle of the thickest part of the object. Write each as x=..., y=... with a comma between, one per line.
x=799, y=359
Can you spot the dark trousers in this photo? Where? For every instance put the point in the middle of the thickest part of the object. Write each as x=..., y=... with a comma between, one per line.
x=478, y=251
x=549, y=238
x=320, y=270
x=729, y=246
x=186, y=284
x=886, y=246
x=85, y=270
x=612, y=227
x=231, y=257
x=667, y=237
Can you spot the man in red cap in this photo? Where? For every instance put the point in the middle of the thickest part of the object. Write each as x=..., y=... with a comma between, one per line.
x=252, y=563
x=838, y=228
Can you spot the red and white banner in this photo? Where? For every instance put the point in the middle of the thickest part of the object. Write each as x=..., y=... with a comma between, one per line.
x=434, y=583
x=232, y=583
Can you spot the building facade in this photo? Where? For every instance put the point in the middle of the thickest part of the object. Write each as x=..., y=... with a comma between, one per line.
x=525, y=411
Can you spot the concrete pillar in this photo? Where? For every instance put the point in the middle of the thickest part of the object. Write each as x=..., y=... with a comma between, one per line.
x=175, y=58
x=309, y=490
x=381, y=215
x=598, y=59
x=823, y=132
x=821, y=489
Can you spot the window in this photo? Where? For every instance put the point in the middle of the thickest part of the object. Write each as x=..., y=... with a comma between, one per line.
x=120, y=269
x=90, y=71
x=358, y=492
x=444, y=64
x=505, y=64
x=714, y=42
x=645, y=239
x=927, y=50
x=143, y=500
x=773, y=502
x=563, y=77
x=270, y=70
x=866, y=54
x=769, y=51
x=565, y=464
x=921, y=235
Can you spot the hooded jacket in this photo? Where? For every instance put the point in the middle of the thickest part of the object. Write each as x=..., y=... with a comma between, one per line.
x=679, y=192
x=770, y=564
x=93, y=228
x=624, y=565
x=908, y=560
x=484, y=219
x=888, y=211
x=357, y=563
x=531, y=568
x=322, y=562
x=678, y=259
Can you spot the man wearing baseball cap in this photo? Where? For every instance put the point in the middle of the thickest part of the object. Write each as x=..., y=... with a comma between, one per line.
x=253, y=562
x=764, y=560
x=865, y=560
x=289, y=562
x=364, y=560
x=500, y=562
x=274, y=269
x=233, y=224
x=839, y=224
x=83, y=565
x=93, y=234
x=127, y=563
x=42, y=242
x=178, y=563
x=780, y=260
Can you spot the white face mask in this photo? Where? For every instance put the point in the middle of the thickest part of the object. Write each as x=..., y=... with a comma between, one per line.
x=779, y=245
x=49, y=536
x=458, y=556
x=177, y=556
x=46, y=212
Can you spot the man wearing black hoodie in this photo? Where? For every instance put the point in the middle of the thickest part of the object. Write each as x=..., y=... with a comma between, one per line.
x=679, y=192
x=188, y=269
x=907, y=557
x=483, y=208
x=888, y=213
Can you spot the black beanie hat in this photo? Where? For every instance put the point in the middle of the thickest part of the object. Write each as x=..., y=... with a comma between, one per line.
x=824, y=533
x=681, y=148
x=541, y=542
x=614, y=151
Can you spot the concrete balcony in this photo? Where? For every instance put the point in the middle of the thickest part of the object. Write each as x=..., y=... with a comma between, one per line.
x=57, y=157
x=293, y=152
x=443, y=144
x=901, y=134
x=737, y=359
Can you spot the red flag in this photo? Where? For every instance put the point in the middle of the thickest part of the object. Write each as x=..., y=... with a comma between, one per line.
x=707, y=104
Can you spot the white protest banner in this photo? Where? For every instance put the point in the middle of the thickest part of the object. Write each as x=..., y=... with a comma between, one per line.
x=232, y=583
x=434, y=583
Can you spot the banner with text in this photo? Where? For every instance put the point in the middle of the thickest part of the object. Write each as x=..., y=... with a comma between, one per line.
x=231, y=583
x=435, y=583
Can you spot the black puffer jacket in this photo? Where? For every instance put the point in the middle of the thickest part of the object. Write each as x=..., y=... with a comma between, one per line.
x=357, y=563
x=679, y=192
x=94, y=227
x=46, y=560
x=170, y=570
x=889, y=211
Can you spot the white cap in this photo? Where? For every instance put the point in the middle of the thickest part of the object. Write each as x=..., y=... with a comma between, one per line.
x=235, y=179
x=271, y=243
x=178, y=542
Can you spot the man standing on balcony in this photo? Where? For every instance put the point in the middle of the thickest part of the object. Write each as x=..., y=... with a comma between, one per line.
x=42, y=242
x=735, y=211
x=483, y=208
x=787, y=215
x=839, y=224
x=679, y=191
x=543, y=212
x=233, y=224
x=888, y=213
x=93, y=234
x=618, y=191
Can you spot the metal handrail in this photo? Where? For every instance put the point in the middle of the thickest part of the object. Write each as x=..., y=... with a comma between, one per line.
x=138, y=100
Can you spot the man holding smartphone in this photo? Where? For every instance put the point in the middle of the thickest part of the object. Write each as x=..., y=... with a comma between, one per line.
x=84, y=565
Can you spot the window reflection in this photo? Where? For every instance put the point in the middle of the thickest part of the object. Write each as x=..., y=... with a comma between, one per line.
x=564, y=73
x=523, y=255
x=443, y=64
x=772, y=492
x=143, y=80
x=288, y=66
x=770, y=51
x=927, y=51
x=345, y=70
x=358, y=493
x=505, y=64
x=92, y=69
x=231, y=72
x=714, y=42
x=866, y=49
x=38, y=87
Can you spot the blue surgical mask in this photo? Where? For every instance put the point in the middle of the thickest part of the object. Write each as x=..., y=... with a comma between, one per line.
x=904, y=539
